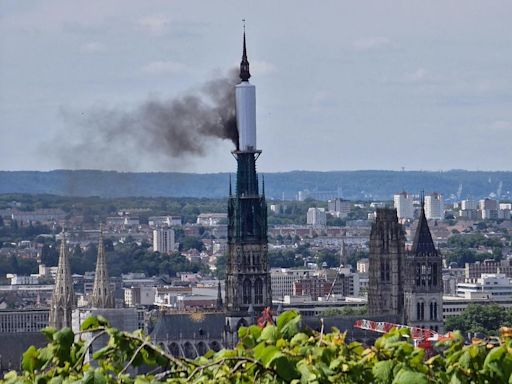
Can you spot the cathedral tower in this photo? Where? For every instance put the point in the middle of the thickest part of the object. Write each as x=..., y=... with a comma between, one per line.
x=63, y=297
x=386, y=261
x=102, y=295
x=247, y=273
x=423, y=280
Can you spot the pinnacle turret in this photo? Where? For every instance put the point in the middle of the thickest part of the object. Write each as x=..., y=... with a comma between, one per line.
x=102, y=296
x=63, y=297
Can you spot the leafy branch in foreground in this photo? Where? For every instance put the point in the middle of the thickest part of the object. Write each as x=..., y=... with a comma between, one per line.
x=279, y=353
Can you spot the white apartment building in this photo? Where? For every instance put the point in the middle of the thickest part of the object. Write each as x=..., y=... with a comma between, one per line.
x=434, y=206
x=162, y=221
x=163, y=240
x=493, y=285
x=316, y=216
x=403, y=202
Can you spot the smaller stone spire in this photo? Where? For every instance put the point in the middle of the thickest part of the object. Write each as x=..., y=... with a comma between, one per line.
x=245, y=75
x=63, y=297
x=102, y=296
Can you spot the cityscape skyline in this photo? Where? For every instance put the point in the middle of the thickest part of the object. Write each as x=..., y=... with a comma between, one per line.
x=423, y=71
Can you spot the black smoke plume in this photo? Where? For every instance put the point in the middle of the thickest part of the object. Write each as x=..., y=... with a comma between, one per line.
x=174, y=128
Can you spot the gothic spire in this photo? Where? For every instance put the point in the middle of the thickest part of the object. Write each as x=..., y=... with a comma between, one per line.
x=63, y=297
x=102, y=296
x=423, y=243
x=244, y=65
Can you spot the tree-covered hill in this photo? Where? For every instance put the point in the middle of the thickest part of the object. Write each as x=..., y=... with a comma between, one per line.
x=355, y=185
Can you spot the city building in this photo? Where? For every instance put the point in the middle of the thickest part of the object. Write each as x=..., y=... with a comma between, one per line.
x=139, y=296
x=475, y=270
x=339, y=207
x=211, y=219
x=404, y=205
x=164, y=221
x=163, y=240
x=434, y=206
x=282, y=280
x=493, y=285
x=316, y=217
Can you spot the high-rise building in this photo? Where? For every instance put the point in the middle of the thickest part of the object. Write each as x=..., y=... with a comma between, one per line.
x=102, y=295
x=316, y=216
x=403, y=203
x=248, y=286
x=163, y=240
x=63, y=297
x=434, y=206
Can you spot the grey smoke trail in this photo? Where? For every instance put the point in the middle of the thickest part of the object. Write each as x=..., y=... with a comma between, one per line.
x=174, y=128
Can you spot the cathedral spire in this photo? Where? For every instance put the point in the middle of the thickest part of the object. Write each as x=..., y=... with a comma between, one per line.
x=244, y=65
x=423, y=243
x=63, y=297
x=102, y=296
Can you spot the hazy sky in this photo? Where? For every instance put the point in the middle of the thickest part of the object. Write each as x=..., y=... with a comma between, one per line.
x=340, y=84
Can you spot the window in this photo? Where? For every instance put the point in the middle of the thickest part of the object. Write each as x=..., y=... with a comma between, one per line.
x=246, y=294
x=420, y=311
x=258, y=291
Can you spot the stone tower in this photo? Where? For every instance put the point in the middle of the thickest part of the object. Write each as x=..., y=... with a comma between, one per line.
x=102, y=295
x=386, y=262
x=247, y=273
x=423, y=280
x=63, y=297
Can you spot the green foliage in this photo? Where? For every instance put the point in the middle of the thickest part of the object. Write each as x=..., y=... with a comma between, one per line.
x=279, y=353
x=486, y=319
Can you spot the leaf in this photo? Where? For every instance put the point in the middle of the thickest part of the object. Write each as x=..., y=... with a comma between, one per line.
x=383, y=371
x=405, y=376
x=270, y=334
x=48, y=332
x=89, y=323
x=266, y=354
x=285, y=368
x=288, y=324
x=30, y=362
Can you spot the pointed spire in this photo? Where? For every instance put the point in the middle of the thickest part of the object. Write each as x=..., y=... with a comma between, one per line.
x=244, y=65
x=102, y=296
x=423, y=245
x=263, y=185
x=63, y=297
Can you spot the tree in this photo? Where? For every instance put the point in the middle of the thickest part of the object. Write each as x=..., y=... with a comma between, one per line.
x=486, y=319
x=192, y=242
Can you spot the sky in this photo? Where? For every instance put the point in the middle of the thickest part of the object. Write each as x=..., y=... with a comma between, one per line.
x=341, y=85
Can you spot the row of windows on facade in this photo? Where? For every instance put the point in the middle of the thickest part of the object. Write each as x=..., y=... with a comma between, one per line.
x=247, y=291
x=426, y=273
x=420, y=310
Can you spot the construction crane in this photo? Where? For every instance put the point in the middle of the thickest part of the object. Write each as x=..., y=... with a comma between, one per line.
x=422, y=337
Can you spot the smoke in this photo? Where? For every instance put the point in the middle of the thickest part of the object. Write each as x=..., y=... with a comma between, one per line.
x=170, y=129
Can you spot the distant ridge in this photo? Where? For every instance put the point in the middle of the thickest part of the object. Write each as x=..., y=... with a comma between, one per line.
x=355, y=185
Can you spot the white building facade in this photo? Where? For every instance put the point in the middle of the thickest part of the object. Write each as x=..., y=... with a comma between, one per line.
x=403, y=202
x=163, y=240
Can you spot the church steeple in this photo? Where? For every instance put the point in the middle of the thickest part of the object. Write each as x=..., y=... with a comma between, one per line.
x=244, y=65
x=102, y=296
x=423, y=243
x=63, y=297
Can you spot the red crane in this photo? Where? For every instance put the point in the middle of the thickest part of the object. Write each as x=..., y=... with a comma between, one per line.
x=422, y=337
